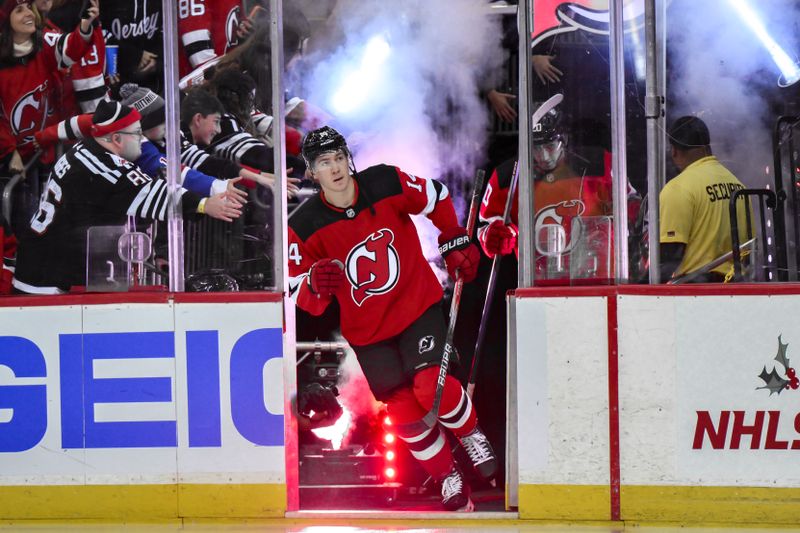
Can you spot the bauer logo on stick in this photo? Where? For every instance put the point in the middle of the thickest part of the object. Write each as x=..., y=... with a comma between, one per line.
x=373, y=266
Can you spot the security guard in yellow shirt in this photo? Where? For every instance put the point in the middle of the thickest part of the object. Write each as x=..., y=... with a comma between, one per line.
x=694, y=206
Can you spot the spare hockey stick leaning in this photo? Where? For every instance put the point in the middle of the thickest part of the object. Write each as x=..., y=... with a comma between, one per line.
x=432, y=417
x=543, y=109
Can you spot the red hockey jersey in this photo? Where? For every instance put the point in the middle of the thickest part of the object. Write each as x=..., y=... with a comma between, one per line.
x=389, y=282
x=207, y=29
x=84, y=83
x=27, y=89
x=557, y=203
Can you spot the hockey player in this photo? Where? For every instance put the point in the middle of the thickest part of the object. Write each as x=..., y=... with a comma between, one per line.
x=560, y=194
x=355, y=241
x=95, y=184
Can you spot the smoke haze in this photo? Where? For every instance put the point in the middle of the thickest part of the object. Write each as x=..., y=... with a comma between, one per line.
x=720, y=71
x=419, y=108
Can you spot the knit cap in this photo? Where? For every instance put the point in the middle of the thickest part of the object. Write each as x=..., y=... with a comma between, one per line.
x=8, y=6
x=112, y=116
x=146, y=102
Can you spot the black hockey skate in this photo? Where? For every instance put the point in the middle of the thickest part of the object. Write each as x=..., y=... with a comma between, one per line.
x=480, y=453
x=455, y=492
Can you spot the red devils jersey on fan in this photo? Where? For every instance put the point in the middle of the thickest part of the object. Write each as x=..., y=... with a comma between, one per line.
x=84, y=83
x=389, y=284
x=556, y=203
x=207, y=29
x=27, y=89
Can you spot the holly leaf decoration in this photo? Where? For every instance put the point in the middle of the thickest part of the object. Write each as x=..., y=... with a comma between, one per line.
x=781, y=357
x=773, y=381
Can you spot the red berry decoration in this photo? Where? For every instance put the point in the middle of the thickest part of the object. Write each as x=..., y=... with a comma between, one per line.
x=791, y=372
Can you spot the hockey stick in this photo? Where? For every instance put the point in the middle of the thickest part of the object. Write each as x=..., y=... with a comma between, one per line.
x=540, y=112
x=432, y=417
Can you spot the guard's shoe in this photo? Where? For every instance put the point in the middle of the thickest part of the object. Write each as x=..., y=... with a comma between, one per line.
x=480, y=453
x=455, y=492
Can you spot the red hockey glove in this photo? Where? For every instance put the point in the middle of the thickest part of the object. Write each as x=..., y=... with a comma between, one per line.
x=499, y=239
x=459, y=253
x=327, y=275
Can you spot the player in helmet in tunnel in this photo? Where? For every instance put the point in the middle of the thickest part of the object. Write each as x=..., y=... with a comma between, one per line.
x=569, y=184
x=355, y=242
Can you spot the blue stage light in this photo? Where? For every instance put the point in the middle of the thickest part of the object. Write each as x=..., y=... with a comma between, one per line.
x=790, y=71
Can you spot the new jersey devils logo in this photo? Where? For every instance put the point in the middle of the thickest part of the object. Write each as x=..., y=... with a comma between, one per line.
x=231, y=26
x=373, y=266
x=552, y=227
x=29, y=111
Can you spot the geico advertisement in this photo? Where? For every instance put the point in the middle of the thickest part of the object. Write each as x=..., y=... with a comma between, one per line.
x=149, y=392
x=738, y=393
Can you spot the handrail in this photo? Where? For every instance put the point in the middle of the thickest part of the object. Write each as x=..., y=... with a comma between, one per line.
x=771, y=201
x=321, y=346
x=8, y=190
x=711, y=265
x=317, y=347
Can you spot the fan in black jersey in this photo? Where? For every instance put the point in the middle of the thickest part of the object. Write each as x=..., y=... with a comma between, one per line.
x=95, y=184
x=236, y=140
x=355, y=241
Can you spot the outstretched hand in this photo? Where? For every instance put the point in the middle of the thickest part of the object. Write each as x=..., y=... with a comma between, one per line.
x=222, y=206
x=547, y=72
x=501, y=103
x=235, y=192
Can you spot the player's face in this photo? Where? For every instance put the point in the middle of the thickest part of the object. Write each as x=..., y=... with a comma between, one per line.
x=332, y=170
x=22, y=20
x=547, y=156
x=205, y=128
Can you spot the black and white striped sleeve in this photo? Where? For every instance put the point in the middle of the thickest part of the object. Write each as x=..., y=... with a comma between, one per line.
x=236, y=144
x=198, y=46
x=195, y=157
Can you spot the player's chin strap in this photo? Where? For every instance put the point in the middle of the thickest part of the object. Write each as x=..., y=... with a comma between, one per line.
x=431, y=418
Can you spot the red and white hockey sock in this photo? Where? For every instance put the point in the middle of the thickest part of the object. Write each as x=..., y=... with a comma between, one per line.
x=455, y=410
x=427, y=445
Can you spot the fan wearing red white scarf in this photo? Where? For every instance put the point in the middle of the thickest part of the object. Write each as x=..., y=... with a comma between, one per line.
x=95, y=184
